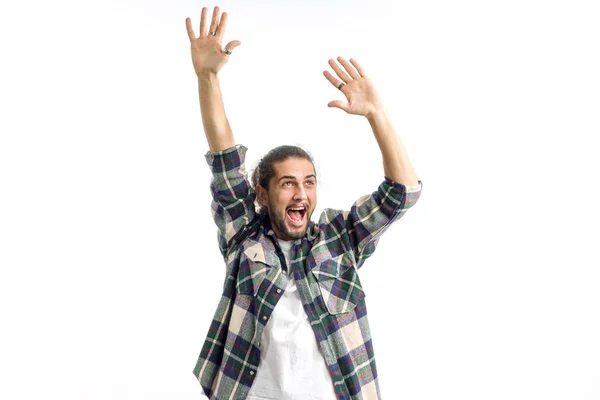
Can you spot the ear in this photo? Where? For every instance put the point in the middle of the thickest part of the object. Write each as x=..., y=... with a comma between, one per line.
x=262, y=196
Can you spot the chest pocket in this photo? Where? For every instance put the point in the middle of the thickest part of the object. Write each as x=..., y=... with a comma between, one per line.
x=339, y=284
x=256, y=260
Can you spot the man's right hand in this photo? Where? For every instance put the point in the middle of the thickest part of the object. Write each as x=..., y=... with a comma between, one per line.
x=208, y=53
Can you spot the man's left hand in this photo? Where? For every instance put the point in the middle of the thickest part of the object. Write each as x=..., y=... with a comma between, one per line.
x=356, y=86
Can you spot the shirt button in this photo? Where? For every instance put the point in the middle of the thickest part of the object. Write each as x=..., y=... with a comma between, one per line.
x=264, y=317
x=251, y=372
x=283, y=272
x=278, y=290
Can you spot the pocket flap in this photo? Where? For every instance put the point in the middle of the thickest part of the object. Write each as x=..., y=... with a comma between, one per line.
x=255, y=262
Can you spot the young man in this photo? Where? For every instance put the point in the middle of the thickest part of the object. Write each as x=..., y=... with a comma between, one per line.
x=291, y=322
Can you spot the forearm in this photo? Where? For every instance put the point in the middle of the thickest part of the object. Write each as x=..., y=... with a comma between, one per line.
x=216, y=126
x=396, y=164
x=232, y=196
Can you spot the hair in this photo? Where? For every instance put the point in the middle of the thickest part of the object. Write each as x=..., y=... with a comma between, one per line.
x=264, y=171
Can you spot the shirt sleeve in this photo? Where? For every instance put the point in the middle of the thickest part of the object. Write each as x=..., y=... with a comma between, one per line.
x=232, y=195
x=372, y=214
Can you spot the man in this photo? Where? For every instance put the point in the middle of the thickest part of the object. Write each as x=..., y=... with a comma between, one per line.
x=291, y=322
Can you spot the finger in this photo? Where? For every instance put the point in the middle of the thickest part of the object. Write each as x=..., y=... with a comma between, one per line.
x=338, y=104
x=190, y=30
x=360, y=70
x=334, y=81
x=232, y=45
x=215, y=20
x=222, y=24
x=349, y=68
x=203, y=21
x=343, y=76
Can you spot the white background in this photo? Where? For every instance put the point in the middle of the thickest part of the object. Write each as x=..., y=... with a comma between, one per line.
x=489, y=288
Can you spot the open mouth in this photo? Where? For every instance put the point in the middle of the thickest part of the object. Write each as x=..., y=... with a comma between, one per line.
x=296, y=214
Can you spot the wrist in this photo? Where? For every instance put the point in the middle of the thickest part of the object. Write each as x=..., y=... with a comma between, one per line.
x=376, y=115
x=207, y=75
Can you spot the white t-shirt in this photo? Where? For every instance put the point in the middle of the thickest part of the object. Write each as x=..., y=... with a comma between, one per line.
x=292, y=366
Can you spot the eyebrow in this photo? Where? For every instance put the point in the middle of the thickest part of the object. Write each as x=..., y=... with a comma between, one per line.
x=294, y=178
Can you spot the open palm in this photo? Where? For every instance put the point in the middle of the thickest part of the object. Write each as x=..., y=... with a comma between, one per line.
x=208, y=53
x=356, y=86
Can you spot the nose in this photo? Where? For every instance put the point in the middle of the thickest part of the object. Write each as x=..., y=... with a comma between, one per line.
x=300, y=193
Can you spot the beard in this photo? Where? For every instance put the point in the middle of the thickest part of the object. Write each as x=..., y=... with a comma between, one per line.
x=278, y=221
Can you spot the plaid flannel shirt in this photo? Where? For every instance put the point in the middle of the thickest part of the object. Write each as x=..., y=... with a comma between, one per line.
x=324, y=265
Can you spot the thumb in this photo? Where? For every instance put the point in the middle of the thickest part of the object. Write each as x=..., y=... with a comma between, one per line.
x=338, y=104
x=232, y=45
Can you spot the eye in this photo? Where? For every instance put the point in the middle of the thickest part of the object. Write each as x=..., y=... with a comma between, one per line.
x=288, y=183
x=310, y=183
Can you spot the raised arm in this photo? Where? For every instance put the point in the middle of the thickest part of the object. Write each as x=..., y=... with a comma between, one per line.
x=371, y=215
x=208, y=57
x=363, y=100
x=233, y=197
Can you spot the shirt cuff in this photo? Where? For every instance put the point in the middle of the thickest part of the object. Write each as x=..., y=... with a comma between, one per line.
x=408, y=189
x=413, y=189
x=227, y=159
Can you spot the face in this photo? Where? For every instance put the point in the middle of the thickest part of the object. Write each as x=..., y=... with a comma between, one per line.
x=291, y=198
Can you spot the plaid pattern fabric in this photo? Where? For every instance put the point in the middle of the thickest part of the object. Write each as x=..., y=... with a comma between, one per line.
x=324, y=265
